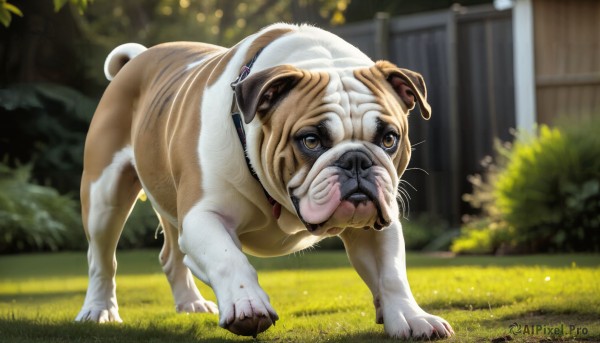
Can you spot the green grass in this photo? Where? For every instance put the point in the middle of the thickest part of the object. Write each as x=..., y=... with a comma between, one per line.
x=318, y=296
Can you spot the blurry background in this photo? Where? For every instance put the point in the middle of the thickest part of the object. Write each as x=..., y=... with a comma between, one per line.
x=509, y=162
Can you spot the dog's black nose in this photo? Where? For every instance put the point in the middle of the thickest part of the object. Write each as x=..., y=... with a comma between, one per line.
x=356, y=162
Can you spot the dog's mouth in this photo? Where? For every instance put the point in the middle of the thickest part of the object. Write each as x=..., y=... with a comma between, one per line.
x=359, y=207
x=362, y=194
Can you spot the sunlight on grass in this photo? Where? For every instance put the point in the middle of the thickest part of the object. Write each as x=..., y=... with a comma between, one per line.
x=318, y=296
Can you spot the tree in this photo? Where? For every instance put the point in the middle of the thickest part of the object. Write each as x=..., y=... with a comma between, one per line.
x=7, y=9
x=49, y=49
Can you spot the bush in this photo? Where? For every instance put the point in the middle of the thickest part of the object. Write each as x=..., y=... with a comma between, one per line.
x=550, y=189
x=487, y=232
x=544, y=196
x=38, y=218
x=426, y=232
x=35, y=218
x=44, y=125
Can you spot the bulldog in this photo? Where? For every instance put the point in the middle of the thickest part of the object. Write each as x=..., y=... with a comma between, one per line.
x=291, y=136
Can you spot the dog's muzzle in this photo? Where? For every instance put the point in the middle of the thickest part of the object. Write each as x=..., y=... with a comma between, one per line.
x=357, y=186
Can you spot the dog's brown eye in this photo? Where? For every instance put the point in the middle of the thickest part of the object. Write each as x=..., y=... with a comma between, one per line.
x=389, y=140
x=311, y=142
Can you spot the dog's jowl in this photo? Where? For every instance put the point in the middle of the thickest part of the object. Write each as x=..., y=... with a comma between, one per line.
x=291, y=136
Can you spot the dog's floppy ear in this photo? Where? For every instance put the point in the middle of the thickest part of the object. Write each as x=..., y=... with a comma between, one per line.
x=409, y=86
x=260, y=91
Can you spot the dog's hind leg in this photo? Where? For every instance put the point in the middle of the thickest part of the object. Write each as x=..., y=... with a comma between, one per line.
x=187, y=297
x=107, y=197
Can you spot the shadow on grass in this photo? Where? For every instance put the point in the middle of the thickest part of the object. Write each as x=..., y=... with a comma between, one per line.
x=38, y=330
x=20, y=331
x=364, y=337
x=16, y=330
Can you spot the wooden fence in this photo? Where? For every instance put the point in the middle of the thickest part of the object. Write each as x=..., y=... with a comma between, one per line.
x=567, y=58
x=466, y=58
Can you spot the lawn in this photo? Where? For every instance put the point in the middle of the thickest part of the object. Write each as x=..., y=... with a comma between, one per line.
x=318, y=296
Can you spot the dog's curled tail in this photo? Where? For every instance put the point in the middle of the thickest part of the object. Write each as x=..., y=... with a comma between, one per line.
x=119, y=56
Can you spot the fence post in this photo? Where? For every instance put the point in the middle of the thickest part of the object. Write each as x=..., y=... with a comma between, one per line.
x=382, y=35
x=455, y=172
x=524, y=61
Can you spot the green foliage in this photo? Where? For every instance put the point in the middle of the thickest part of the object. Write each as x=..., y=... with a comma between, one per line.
x=222, y=22
x=542, y=195
x=483, y=236
x=487, y=232
x=38, y=218
x=45, y=124
x=80, y=4
x=6, y=12
x=33, y=217
x=550, y=189
x=6, y=9
x=426, y=232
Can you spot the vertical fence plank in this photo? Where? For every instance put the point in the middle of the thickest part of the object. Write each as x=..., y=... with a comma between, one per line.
x=453, y=78
x=382, y=36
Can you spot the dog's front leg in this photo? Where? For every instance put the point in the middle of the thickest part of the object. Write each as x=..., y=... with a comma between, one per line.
x=379, y=258
x=213, y=254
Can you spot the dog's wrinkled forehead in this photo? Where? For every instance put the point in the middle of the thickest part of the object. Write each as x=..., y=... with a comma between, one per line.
x=384, y=87
x=354, y=110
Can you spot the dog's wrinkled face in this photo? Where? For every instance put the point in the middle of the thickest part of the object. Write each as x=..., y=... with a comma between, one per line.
x=331, y=145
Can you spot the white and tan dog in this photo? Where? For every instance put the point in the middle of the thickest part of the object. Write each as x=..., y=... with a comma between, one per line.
x=327, y=141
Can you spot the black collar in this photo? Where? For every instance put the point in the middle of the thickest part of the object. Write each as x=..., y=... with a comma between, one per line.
x=239, y=127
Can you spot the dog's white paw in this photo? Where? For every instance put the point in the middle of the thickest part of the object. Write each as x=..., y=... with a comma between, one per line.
x=198, y=306
x=249, y=312
x=423, y=325
x=99, y=315
x=407, y=320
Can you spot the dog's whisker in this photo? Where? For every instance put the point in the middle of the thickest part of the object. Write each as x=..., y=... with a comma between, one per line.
x=404, y=182
x=402, y=202
x=404, y=198
x=415, y=144
x=405, y=191
x=419, y=169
